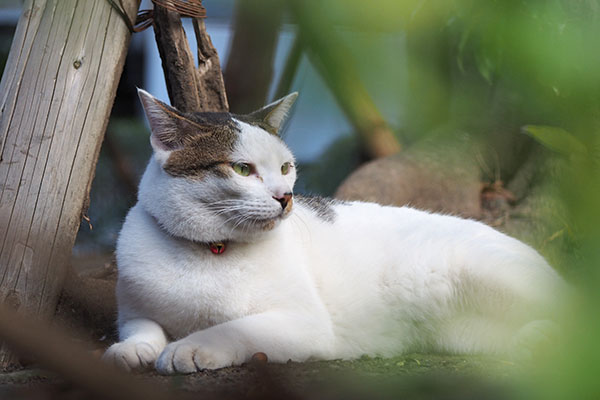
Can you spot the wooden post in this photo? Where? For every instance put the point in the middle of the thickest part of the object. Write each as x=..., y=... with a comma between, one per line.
x=55, y=99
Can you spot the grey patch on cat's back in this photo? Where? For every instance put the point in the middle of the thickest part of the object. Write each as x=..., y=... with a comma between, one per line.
x=321, y=206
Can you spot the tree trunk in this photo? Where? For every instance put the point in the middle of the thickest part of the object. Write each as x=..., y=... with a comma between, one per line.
x=55, y=99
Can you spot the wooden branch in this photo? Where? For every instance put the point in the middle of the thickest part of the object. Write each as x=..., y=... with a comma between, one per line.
x=55, y=99
x=190, y=89
x=334, y=62
x=211, y=87
x=177, y=60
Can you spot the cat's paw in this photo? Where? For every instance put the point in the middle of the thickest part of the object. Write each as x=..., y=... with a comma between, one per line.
x=131, y=356
x=185, y=357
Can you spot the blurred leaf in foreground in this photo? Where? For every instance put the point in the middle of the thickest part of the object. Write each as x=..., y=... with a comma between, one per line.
x=556, y=139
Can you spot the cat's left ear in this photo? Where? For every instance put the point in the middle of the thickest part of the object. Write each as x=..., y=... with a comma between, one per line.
x=169, y=127
x=274, y=115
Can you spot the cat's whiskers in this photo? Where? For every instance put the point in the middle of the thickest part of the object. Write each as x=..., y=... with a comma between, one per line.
x=228, y=209
x=243, y=219
x=231, y=218
x=223, y=201
x=299, y=219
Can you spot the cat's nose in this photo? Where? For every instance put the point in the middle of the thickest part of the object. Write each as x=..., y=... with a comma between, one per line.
x=284, y=200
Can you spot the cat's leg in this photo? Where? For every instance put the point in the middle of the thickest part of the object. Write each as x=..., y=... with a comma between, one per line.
x=473, y=334
x=282, y=336
x=142, y=340
x=505, y=305
x=533, y=338
x=478, y=334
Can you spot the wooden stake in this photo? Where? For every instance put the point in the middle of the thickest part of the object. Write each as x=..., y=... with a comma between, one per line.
x=56, y=95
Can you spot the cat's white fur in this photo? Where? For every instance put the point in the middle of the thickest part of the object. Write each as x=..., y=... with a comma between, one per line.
x=371, y=280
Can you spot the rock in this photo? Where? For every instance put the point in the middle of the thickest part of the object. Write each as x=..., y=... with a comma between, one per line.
x=434, y=176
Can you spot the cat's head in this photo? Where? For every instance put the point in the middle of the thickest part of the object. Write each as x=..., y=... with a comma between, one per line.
x=217, y=176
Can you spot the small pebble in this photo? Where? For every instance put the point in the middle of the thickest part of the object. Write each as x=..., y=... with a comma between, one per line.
x=259, y=358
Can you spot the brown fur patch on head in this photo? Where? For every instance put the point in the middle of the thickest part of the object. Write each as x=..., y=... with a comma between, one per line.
x=206, y=142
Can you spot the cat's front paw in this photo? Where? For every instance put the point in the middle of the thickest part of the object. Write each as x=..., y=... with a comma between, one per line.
x=185, y=357
x=131, y=356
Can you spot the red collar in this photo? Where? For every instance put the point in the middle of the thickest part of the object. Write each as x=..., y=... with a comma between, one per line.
x=217, y=247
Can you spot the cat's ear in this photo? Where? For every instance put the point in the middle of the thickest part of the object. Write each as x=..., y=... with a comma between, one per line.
x=274, y=115
x=166, y=124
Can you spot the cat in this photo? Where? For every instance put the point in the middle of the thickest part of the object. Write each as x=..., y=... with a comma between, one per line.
x=219, y=260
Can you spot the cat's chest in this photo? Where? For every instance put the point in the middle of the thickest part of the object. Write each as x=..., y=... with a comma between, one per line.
x=188, y=289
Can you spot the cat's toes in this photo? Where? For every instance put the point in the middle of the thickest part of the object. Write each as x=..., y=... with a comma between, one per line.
x=131, y=356
x=185, y=358
x=207, y=359
x=176, y=358
x=146, y=354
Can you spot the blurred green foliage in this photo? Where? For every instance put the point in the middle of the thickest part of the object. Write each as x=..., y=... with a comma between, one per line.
x=497, y=69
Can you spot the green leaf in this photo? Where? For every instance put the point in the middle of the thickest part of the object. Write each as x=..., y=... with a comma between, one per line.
x=556, y=139
x=485, y=66
x=464, y=38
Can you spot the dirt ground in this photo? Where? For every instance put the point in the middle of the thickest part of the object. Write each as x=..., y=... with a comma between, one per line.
x=412, y=376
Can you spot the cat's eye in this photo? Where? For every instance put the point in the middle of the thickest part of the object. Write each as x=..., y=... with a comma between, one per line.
x=241, y=168
x=285, y=168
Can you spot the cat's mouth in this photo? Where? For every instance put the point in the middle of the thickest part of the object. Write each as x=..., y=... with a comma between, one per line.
x=257, y=218
x=269, y=223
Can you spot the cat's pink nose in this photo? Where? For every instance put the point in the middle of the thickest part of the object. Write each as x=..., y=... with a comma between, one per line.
x=284, y=200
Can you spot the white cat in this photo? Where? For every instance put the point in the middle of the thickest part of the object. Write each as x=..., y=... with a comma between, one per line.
x=218, y=261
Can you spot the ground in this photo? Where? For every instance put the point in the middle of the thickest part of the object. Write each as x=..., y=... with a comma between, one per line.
x=414, y=376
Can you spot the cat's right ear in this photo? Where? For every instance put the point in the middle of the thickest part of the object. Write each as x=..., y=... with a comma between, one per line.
x=165, y=125
x=274, y=115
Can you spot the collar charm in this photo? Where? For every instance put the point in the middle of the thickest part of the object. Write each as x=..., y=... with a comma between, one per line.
x=217, y=247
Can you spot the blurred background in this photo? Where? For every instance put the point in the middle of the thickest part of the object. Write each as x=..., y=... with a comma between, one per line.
x=270, y=39
x=498, y=99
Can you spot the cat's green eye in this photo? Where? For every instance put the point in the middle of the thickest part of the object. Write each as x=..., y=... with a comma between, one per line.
x=241, y=168
x=285, y=168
